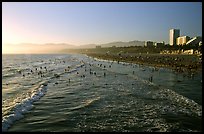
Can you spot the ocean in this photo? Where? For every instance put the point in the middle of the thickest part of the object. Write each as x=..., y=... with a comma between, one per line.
x=77, y=93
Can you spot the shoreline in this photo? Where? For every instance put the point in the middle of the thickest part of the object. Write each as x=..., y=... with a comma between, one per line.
x=176, y=63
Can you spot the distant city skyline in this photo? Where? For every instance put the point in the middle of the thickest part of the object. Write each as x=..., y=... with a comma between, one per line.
x=80, y=23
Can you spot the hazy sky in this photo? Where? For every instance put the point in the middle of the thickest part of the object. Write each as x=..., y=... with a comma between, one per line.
x=98, y=22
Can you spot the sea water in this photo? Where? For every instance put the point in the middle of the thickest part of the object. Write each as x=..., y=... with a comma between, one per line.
x=74, y=93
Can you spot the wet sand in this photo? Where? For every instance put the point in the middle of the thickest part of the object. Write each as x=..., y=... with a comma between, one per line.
x=179, y=63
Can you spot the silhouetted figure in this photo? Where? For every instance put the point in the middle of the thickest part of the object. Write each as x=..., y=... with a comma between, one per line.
x=19, y=71
x=151, y=78
x=57, y=75
x=104, y=74
x=192, y=75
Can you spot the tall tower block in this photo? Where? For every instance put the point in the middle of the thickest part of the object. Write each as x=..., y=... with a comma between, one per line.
x=173, y=35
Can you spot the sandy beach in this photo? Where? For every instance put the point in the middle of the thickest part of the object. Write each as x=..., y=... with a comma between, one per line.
x=179, y=63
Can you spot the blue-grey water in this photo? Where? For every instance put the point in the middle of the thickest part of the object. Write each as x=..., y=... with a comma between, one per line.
x=71, y=92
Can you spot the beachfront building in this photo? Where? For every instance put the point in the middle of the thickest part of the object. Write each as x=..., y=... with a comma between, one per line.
x=194, y=41
x=173, y=35
x=182, y=40
x=200, y=43
x=98, y=46
x=149, y=44
x=159, y=44
x=190, y=51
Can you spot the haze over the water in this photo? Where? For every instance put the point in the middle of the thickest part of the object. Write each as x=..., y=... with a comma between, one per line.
x=100, y=22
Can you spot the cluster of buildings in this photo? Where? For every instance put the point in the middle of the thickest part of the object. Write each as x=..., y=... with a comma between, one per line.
x=98, y=46
x=190, y=51
x=176, y=39
x=154, y=44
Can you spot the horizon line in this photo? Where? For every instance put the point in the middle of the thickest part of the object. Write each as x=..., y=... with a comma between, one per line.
x=72, y=44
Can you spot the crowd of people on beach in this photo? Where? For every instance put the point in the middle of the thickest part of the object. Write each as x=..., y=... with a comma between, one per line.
x=178, y=64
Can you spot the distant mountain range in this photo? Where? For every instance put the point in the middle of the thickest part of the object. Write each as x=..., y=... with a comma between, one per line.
x=59, y=47
x=116, y=44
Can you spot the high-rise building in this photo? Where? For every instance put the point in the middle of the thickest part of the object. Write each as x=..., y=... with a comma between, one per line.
x=173, y=35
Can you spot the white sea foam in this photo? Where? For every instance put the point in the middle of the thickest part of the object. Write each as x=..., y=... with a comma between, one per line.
x=131, y=100
x=22, y=108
